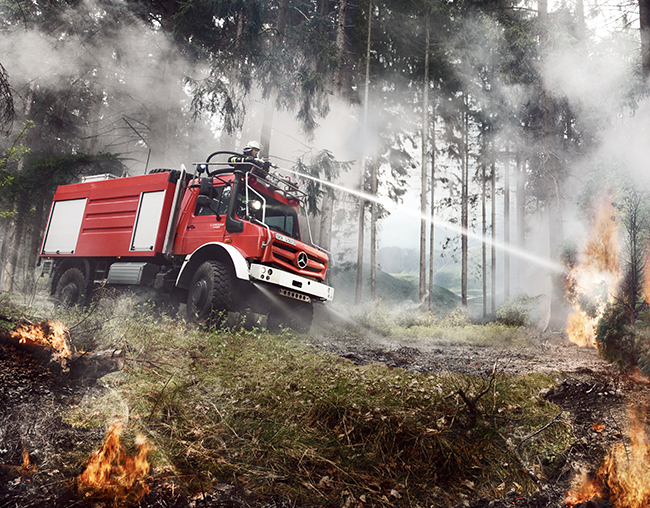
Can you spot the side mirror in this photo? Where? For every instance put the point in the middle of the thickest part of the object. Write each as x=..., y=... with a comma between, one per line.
x=206, y=186
x=203, y=200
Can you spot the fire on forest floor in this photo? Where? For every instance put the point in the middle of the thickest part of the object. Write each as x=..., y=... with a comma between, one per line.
x=623, y=477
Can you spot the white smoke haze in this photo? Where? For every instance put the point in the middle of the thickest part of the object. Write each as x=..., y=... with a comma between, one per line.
x=138, y=71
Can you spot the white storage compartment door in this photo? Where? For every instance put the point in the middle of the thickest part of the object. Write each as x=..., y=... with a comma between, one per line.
x=65, y=224
x=147, y=220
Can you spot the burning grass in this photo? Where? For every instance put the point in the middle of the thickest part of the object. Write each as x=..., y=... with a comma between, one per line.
x=278, y=419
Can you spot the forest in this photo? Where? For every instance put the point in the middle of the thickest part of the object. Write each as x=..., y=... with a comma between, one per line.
x=514, y=134
x=509, y=122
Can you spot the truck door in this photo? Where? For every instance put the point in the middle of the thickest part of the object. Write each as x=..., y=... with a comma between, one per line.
x=207, y=223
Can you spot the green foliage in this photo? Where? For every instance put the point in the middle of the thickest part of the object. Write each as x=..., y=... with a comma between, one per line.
x=519, y=311
x=616, y=336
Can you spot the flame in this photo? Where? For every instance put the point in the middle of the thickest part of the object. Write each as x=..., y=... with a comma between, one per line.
x=27, y=467
x=580, y=329
x=111, y=473
x=590, y=489
x=623, y=476
x=52, y=335
x=599, y=265
x=628, y=471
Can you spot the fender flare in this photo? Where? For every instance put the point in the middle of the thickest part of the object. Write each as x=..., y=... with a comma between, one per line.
x=203, y=253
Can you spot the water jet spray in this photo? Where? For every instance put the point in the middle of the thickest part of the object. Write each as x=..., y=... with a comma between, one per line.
x=547, y=263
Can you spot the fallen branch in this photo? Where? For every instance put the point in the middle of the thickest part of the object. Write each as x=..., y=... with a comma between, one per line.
x=521, y=460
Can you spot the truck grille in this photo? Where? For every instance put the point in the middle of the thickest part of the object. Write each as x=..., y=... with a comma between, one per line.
x=286, y=256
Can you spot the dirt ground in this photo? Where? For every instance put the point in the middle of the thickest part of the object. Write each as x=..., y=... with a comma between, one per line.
x=589, y=390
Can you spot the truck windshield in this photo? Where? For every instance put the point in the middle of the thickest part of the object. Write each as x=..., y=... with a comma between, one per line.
x=282, y=218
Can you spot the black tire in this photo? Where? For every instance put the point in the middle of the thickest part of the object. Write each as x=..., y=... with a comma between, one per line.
x=211, y=292
x=297, y=316
x=71, y=289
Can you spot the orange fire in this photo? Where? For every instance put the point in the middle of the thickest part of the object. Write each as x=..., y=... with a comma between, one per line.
x=590, y=489
x=580, y=329
x=52, y=335
x=113, y=474
x=624, y=475
x=599, y=265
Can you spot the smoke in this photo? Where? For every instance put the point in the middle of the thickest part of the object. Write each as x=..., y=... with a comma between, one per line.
x=127, y=69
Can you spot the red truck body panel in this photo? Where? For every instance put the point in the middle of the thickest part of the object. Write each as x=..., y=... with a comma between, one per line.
x=121, y=217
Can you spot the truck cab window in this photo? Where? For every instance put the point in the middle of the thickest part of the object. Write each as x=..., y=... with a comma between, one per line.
x=283, y=219
x=219, y=201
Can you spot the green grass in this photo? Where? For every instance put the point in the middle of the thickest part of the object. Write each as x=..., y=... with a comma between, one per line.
x=281, y=420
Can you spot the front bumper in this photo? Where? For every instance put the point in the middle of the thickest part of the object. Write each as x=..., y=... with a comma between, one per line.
x=292, y=282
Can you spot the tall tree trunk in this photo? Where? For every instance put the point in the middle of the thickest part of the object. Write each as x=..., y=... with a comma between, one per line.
x=432, y=245
x=484, y=232
x=267, y=127
x=359, y=287
x=506, y=222
x=14, y=247
x=37, y=227
x=464, y=214
x=325, y=230
x=521, y=214
x=493, y=251
x=423, y=176
x=373, y=231
x=644, y=22
x=551, y=168
x=362, y=204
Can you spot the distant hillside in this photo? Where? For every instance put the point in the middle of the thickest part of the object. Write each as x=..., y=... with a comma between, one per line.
x=394, y=289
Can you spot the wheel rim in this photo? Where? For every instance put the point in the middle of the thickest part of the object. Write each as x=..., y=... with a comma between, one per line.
x=70, y=294
x=199, y=295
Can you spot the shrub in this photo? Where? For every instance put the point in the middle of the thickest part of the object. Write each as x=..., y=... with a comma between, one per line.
x=519, y=311
x=616, y=336
x=457, y=317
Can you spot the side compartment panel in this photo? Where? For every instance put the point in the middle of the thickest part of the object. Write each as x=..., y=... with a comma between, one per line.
x=147, y=221
x=63, y=229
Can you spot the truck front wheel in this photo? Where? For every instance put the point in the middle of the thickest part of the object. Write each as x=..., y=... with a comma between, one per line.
x=71, y=288
x=210, y=292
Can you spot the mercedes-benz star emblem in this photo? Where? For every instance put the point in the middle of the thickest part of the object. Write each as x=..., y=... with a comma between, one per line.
x=302, y=260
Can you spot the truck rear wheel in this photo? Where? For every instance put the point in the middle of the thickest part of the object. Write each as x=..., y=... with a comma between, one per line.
x=210, y=292
x=298, y=317
x=71, y=288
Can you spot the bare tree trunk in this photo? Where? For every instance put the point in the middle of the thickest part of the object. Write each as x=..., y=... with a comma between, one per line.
x=362, y=204
x=521, y=213
x=423, y=176
x=464, y=214
x=37, y=227
x=14, y=249
x=359, y=288
x=325, y=230
x=506, y=222
x=551, y=167
x=432, y=247
x=493, y=251
x=644, y=22
x=267, y=127
x=373, y=231
x=483, y=233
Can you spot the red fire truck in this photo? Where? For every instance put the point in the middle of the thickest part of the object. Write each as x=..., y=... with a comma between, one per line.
x=223, y=239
